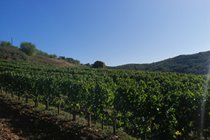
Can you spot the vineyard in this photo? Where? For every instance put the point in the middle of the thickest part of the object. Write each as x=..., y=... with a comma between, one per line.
x=146, y=105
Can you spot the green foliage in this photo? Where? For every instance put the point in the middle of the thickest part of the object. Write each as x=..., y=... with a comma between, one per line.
x=27, y=51
x=98, y=64
x=5, y=44
x=10, y=52
x=195, y=63
x=53, y=56
x=28, y=48
x=153, y=104
x=70, y=60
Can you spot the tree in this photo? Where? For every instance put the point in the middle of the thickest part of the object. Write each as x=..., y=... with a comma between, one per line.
x=99, y=64
x=28, y=48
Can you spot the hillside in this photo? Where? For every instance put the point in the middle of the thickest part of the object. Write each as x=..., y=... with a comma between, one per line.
x=12, y=53
x=9, y=52
x=196, y=63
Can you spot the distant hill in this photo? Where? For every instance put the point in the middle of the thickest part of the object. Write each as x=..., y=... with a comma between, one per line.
x=196, y=63
x=9, y=52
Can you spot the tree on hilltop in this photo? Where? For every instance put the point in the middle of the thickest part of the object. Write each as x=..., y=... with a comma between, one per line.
x=99, y=64
x=28, y=48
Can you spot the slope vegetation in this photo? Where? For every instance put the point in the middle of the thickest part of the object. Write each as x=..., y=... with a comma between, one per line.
x=196, y=63
x=14, y=53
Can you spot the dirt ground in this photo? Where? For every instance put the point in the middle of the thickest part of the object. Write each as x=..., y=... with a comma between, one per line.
x=7, y=132
x=18, y=122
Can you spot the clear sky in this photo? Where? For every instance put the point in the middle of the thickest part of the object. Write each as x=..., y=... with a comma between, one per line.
x=114, y=31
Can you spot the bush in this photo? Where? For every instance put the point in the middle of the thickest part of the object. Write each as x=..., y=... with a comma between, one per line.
x=28, y=48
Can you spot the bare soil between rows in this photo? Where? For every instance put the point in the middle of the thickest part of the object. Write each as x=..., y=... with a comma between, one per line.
x=22, y=122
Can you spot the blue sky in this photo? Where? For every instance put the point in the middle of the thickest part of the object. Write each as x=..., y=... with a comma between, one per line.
x=114, y=31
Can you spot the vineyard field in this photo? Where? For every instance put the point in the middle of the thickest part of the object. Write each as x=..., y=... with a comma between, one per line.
x=146, y=105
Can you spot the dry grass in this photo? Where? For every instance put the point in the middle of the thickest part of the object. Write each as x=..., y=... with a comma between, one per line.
x=51, y=61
